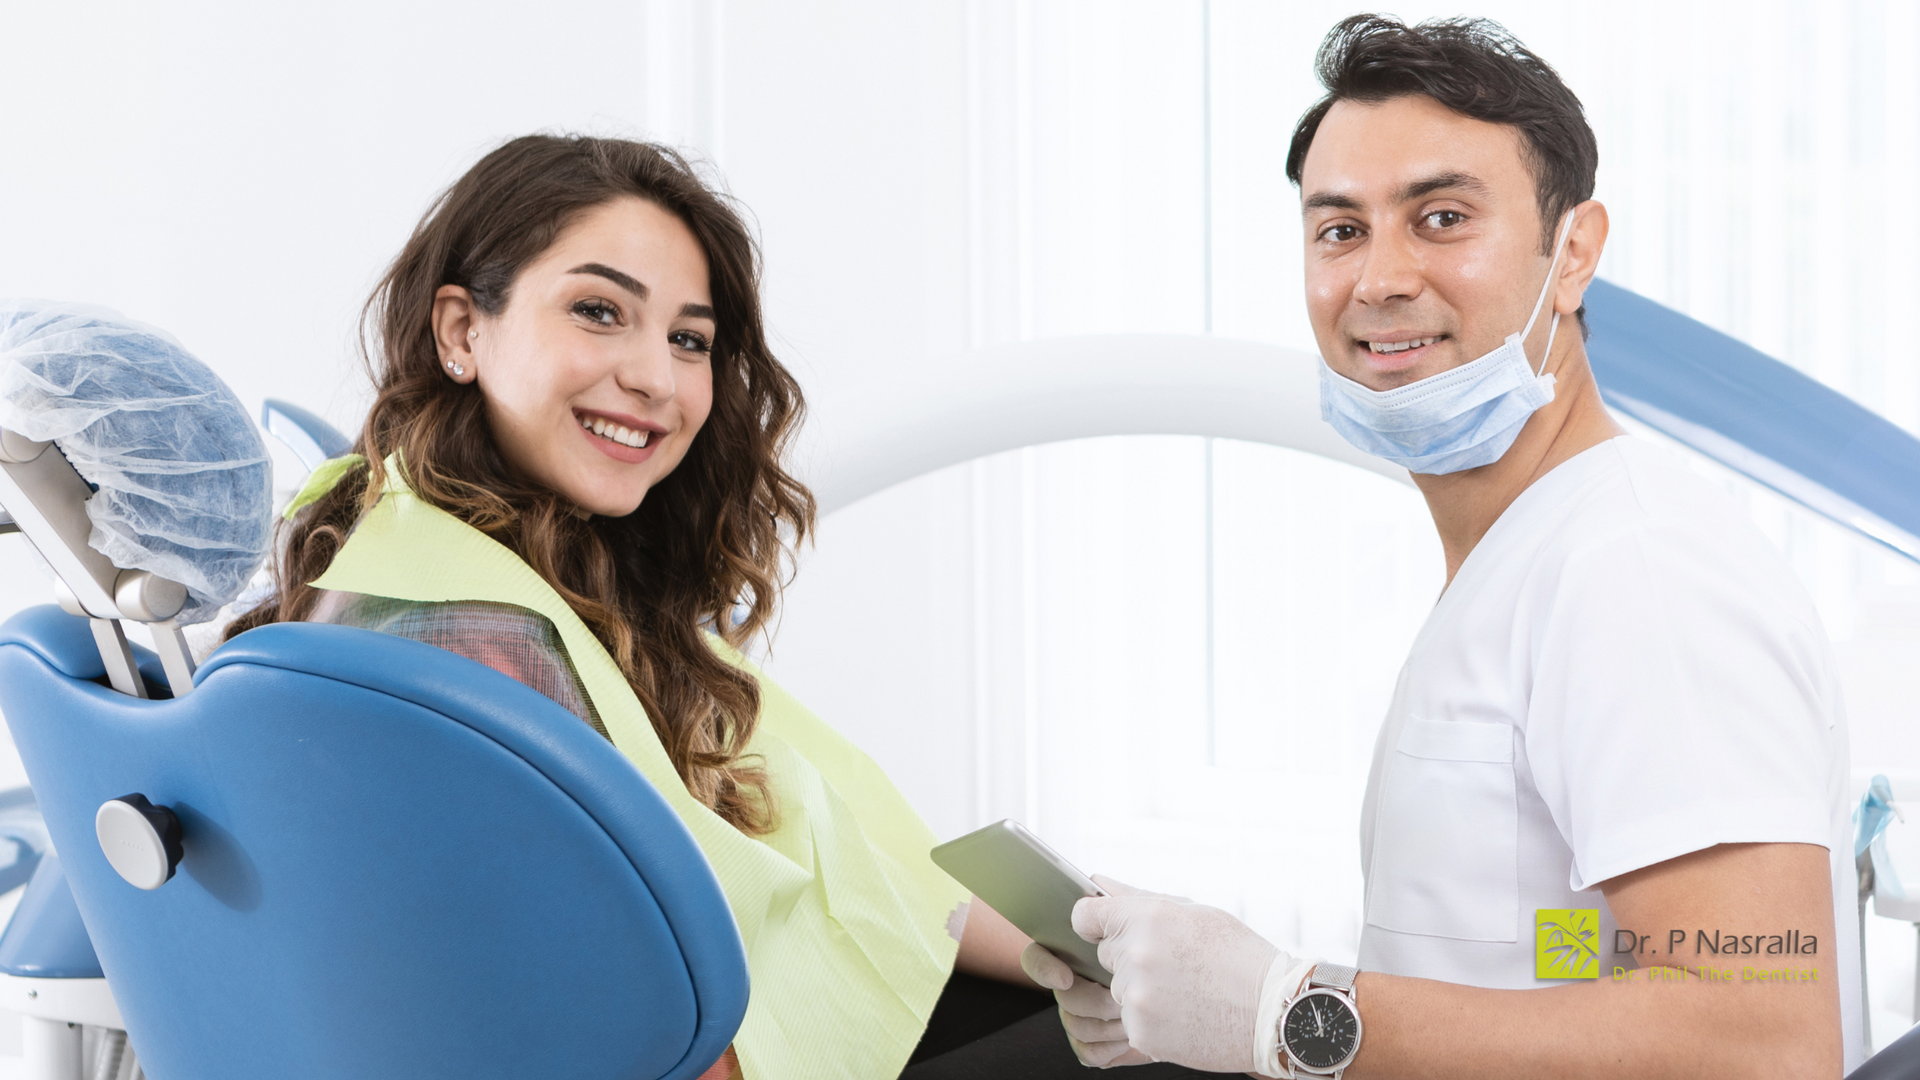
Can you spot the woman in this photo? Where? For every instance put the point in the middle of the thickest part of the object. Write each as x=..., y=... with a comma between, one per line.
x=572, y=473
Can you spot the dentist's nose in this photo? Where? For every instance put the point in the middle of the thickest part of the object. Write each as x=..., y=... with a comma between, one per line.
x=1389, y=270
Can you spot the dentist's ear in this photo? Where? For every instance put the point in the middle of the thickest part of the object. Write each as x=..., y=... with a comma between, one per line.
x=1585, y=242
x=456, y=334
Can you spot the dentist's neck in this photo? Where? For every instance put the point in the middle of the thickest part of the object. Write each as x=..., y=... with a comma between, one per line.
x=1467, y=503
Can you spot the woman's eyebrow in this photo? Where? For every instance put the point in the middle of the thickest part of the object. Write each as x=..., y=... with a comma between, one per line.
x=625, y=281
x=696, y=311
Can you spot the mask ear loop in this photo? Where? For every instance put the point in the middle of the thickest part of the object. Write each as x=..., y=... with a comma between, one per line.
x=1553, y=327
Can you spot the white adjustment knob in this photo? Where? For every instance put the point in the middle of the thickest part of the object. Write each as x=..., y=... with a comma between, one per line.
x=140, y=840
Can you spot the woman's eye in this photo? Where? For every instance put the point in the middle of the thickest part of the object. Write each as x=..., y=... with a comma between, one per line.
x=690, y=341
x=598, y=311
x=1443, y=219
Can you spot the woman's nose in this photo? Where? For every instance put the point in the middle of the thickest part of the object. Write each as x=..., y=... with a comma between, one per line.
x=648, y=371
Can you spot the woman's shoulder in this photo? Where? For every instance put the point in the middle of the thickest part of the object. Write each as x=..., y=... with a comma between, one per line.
x=518, y=642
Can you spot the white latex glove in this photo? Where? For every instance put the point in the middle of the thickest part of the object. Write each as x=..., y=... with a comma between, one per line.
x=1087, y=1011
x=1195, y=986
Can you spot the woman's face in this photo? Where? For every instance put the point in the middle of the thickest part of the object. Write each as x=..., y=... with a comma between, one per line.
x=598, y=374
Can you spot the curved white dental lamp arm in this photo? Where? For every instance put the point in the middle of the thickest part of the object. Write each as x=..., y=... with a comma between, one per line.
x=968, y=405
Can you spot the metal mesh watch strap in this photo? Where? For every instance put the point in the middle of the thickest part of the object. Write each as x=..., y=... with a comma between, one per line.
x=1338, y=976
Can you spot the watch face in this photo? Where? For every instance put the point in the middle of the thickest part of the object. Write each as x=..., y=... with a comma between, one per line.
x=1321, y=1030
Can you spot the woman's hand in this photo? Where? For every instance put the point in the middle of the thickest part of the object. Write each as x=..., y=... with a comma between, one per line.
x=990, y=947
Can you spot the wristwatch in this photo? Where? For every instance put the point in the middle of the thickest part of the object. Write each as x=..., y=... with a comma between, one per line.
x=1320, y=1026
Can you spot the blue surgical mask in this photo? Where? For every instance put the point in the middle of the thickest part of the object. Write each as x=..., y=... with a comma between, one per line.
x=1458, y=419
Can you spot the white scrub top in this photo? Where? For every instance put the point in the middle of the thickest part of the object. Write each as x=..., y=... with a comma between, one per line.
x=1623, y=671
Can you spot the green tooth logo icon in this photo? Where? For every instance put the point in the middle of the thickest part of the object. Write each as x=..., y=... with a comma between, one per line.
x=1566, y=943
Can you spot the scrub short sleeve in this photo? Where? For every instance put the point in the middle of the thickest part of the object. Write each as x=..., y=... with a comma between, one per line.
x=1678, y=702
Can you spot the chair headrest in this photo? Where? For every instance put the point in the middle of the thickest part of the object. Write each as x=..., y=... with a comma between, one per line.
x=184, y=484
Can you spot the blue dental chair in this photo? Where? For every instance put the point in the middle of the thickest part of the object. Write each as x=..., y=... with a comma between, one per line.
x=376, y=859
x=395, y=863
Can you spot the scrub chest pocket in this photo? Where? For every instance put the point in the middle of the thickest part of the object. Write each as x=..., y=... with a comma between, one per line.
x=1446, y=834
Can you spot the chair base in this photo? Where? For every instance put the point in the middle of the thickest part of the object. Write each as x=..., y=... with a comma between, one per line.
x=58, y=1050
x=77, y=1001
x=65, y=1024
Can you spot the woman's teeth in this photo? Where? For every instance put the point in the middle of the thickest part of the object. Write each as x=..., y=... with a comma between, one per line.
x=1399, y=346
x=621, y=435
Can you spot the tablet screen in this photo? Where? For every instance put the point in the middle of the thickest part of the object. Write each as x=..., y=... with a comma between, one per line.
x=1022, y=878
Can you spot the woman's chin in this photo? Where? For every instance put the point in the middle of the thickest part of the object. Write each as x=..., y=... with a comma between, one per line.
x=600, y=496
x=601, y=506
x=594, y=488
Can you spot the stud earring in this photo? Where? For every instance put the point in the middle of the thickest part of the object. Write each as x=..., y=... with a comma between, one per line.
x=457, y=369
x=473, y=333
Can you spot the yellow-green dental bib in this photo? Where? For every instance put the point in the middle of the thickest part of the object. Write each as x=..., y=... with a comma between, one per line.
x=845, y=919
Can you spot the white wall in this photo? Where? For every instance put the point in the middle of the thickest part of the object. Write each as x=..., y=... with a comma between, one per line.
x=1026, y=635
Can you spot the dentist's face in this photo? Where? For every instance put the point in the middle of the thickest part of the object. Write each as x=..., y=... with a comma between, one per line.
x=1423, y=240
x=597, y=374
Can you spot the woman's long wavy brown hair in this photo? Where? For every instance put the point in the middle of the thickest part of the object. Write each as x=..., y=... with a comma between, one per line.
x=709, y=547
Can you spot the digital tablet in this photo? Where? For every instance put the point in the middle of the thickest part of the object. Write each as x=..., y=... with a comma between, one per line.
x=1020, y=877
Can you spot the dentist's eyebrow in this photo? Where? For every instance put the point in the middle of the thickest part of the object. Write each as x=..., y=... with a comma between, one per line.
x=625, y=281
x=1464, y=183
x=1329, y=200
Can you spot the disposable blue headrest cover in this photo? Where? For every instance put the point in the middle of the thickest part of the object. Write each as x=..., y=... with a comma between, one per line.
x=185, y=484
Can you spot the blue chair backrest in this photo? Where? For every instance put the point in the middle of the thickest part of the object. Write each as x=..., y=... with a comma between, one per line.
x=398, y=863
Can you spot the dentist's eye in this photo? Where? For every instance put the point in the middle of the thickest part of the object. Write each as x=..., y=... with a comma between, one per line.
x=1443, y=219
x=690, y=341
x=597, y=311
x=1339, y=234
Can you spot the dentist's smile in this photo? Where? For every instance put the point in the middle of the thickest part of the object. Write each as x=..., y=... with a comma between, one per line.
x=1395, y=352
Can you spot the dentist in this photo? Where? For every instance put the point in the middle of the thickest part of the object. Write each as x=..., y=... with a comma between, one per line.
x=1617, y=740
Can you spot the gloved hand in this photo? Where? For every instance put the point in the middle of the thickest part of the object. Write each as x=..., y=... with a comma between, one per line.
x=1190, y=980
x=1087, y=1011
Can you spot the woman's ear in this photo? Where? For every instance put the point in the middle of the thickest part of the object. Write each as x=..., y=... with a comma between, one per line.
x=455, y=332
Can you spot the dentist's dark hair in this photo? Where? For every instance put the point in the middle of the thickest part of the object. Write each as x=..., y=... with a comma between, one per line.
x=710, y=546
x=1477, y=69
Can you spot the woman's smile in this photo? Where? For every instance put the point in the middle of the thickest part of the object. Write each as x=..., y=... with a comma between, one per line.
x=619, y=436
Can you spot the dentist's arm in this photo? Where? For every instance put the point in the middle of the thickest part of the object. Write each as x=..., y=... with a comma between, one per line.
x=1688, y=1027
x=1165, y=957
